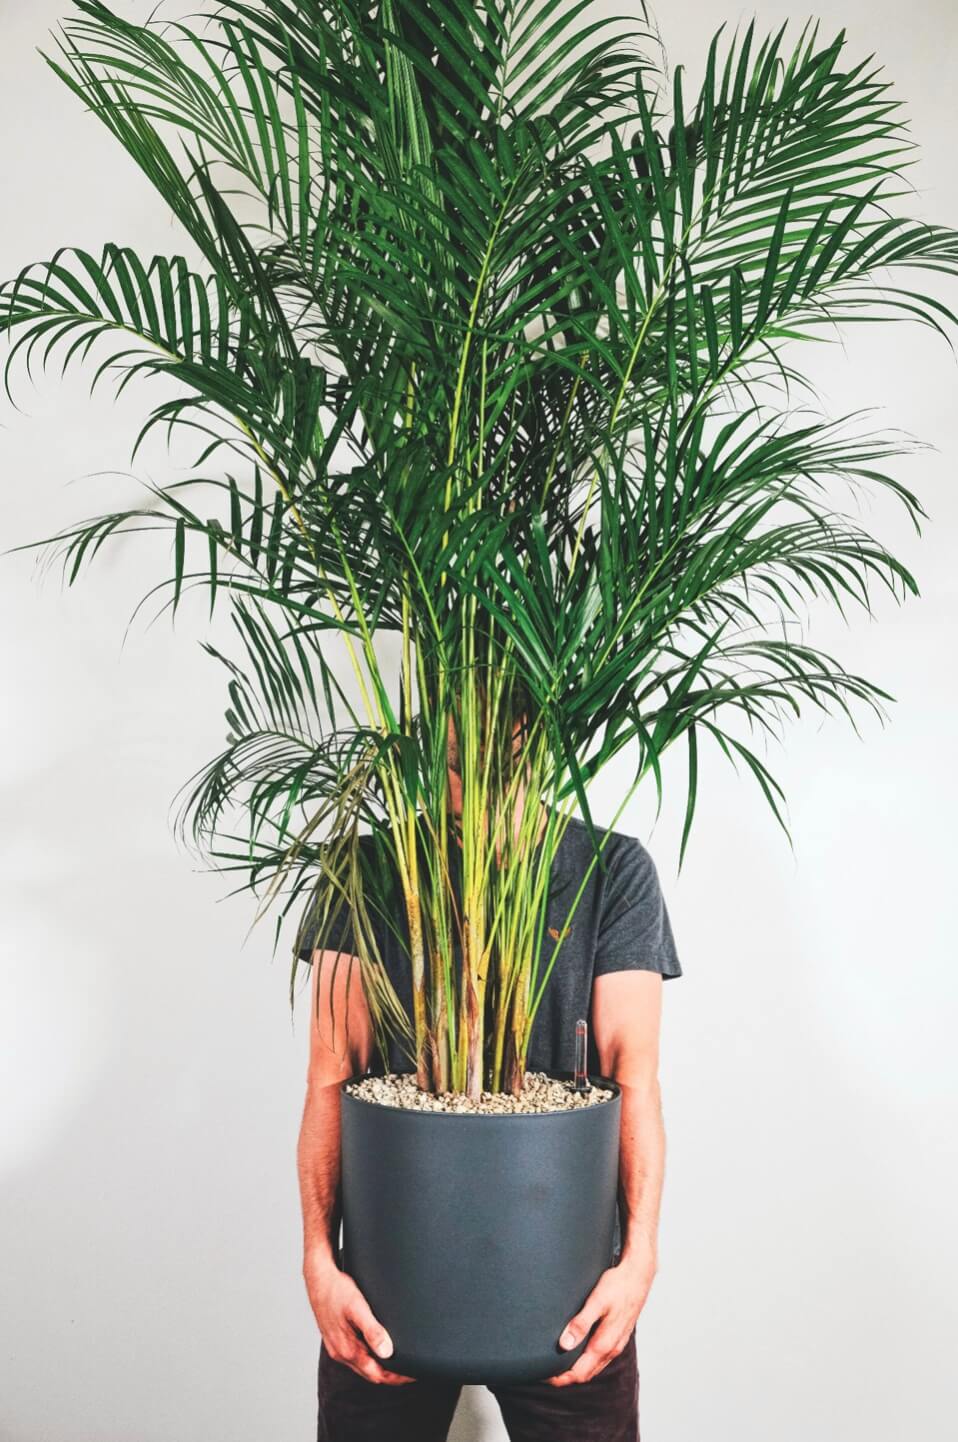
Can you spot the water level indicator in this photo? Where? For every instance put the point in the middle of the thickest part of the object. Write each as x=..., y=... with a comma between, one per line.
x=581, y=1051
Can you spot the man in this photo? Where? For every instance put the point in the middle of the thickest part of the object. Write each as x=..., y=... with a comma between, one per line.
x=610, y=968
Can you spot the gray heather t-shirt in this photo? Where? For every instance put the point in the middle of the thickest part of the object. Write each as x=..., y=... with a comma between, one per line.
x=620, y=924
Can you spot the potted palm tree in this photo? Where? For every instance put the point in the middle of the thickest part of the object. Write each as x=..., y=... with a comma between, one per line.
x=486, y=333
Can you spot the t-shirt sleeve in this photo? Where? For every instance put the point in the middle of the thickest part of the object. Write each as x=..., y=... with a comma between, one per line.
x=336, y=934
x=635, y=933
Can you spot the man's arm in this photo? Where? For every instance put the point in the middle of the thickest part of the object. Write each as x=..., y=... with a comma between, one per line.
x=349, y=1330
x=626, y=1014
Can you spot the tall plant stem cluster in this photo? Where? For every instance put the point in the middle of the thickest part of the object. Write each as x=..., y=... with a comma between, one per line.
x=484, y=327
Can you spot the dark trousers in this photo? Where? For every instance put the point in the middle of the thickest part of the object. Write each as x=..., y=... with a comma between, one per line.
x=603, y=1410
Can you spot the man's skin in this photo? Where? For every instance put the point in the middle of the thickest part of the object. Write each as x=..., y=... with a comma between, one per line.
x=625, y=1016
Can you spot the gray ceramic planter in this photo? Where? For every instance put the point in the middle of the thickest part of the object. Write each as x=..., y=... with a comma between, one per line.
x=475, y=1238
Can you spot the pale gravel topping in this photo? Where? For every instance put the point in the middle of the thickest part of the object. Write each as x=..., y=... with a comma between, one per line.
x=540, y=1093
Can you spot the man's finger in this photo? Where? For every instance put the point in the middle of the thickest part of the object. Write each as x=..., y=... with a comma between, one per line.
x=369, y=1368
x=373, y=1332
x=589, y=1365
x=581, y=1324
x=359, y=1360
x=602, y=1347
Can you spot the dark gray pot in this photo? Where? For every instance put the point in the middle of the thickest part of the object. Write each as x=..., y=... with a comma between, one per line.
x=475, y=1238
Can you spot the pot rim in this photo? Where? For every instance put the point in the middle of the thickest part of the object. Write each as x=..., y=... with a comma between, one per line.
x=605, y=1082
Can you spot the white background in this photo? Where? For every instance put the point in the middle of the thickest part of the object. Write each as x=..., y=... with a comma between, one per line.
x=151, y=1078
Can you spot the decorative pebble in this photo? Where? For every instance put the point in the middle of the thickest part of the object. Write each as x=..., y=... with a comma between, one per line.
x=540, y=1093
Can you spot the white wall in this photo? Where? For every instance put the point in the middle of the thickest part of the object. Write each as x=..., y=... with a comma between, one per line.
x=150, y=1076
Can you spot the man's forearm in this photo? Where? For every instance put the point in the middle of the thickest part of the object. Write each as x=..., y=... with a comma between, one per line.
x=626, y=1007
x=351, y=1333
x=318, y=1162
x=641, y=1169
x=613, y=1306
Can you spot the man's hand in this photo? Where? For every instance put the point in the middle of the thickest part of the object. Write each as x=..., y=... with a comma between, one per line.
x=349, y=1330
x=615, y=1303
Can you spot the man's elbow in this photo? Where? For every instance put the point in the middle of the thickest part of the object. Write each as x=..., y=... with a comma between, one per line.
x=644, y=1095
x=634, y=1068
x=639, y=1086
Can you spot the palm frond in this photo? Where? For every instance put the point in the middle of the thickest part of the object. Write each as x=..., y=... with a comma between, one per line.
x=498, y=379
